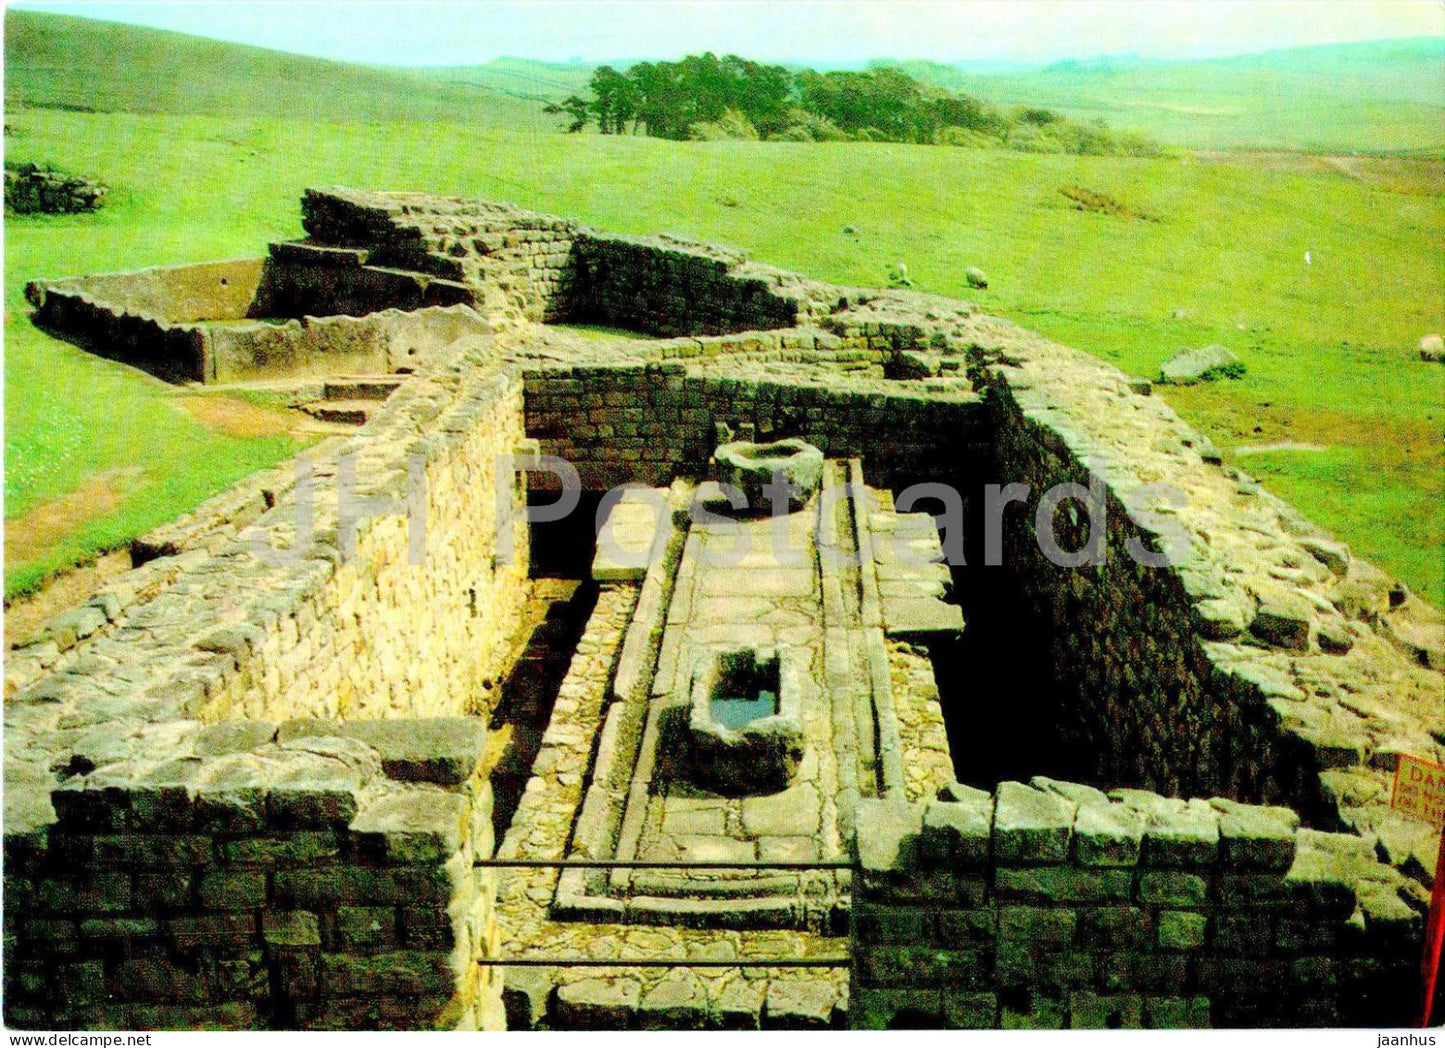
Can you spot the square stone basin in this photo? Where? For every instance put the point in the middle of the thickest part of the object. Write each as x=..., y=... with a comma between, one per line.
x=745, y=731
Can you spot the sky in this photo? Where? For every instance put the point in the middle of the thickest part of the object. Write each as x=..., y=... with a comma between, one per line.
x=823, y=32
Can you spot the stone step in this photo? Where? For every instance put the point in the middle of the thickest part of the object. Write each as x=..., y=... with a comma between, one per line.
x=345, y=412
x=359, y=388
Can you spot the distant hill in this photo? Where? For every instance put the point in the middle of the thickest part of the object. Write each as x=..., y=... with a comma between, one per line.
x=1379, y=96
x=61, y=62
x=1374, y=96
x=524, y=78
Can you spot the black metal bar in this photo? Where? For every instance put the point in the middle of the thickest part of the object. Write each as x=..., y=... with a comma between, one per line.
x=638, y=864
x=653, y=962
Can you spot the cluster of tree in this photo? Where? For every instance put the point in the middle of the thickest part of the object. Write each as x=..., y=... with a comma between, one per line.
x=706, y=97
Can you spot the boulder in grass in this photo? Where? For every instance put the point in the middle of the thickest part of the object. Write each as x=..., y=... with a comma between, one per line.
x=1201, y=365
x=975, y=277
x=1432, y=348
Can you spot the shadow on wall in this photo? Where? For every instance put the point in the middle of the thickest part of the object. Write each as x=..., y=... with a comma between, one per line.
x=995, y=681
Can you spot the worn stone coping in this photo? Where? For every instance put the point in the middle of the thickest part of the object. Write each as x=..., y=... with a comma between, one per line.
x=238, y=776
x=1022, y=831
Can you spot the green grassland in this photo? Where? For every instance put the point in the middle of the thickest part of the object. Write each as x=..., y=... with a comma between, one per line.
x=1330, y=347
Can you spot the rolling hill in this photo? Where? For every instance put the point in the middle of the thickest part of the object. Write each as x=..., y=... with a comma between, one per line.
x=1375, y=96
x=60, y=62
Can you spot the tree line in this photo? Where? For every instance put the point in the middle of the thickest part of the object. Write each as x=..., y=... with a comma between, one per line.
x=707, y=97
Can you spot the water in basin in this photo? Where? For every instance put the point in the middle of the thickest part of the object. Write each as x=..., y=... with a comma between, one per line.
x=738, y=711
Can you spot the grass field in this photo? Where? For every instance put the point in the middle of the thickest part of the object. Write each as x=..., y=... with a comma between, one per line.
x=1330, y=347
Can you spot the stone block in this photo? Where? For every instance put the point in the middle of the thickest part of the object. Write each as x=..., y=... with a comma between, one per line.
x=1243, y=933
x=891, y=924
x=875, y=1008
x=1172, y=888
x=364, y=929
x=1254, y=890
x=290, y=929
x=1030, y=825
x=597, y=1004
x=401, y=972
x=1092, y=1011
x=298, y=848
x=1255, y=837
x=678, y=1002
x=885, y=965
x=965, y=928
x=212, y=931
x=1176, y=833
x=888, y=833
x=739, y=1006
x=1107, y=835
x=1040, y=927
x=232, y=889
x=1283, y=622
x=1181, y=930
x=799, y=1004
x=525, y=993
x=1066, y=884
x=411, y=826
x=1114, y=927
x=957, y=832
x=444, y=751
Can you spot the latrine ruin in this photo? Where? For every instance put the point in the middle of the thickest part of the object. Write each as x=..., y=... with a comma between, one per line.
x=385, y=739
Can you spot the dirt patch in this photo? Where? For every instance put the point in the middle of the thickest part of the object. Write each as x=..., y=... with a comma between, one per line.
x=236, y=417
x=1282, y=445
x=46, y=526
x=1102, y=204
x=26, y=616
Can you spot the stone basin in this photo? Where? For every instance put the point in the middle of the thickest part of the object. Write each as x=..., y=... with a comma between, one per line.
x=751, y=467
x=745, y=732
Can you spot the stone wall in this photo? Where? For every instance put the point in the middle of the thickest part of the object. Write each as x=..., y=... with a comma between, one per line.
x=1052, y=905
x=31, y=190
x=381, y=343
x=668, y=288
x=227, y=321
x=1265, y=663
x=163, y=294
x=650, y=423
x=311, y=876
x=385, y=637
x=162, y=871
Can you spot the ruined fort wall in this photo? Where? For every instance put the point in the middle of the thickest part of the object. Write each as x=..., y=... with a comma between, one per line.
x=1137, y=696
x=625, y=423
x=173, y=294
x=163, y=872
x=666, y=289
x=376, y=344
x=1053, y=905
x=296, y=877
x=1264, y=663
x=386, y=637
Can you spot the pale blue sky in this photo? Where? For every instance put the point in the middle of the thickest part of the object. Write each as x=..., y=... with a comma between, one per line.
x=820, y=31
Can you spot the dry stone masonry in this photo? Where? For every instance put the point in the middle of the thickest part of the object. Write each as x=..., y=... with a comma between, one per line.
x=334, y=755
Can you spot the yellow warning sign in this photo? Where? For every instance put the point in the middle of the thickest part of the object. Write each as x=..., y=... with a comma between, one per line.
x=1419, y=789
